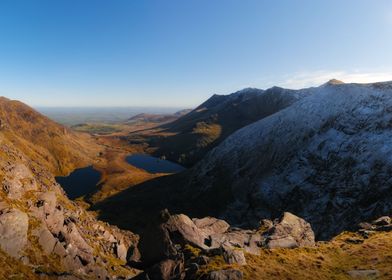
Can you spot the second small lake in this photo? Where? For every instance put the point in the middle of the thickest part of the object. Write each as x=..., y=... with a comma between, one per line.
x=80, y=182
x=153, y=165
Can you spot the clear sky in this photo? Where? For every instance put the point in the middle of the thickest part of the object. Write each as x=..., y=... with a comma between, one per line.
x=179, y=52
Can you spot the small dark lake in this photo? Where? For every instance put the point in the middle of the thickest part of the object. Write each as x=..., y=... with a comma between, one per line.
x=80, y=182
x=153, y=165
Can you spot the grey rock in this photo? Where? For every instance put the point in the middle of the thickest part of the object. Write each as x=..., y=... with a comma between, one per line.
x=364, y=274
x=48, y=211
x=234, y=256
x=382, y=221
x=228, y=274
x=46, y=240
x=18, y=180
x=248, y=240
x=291, y=231
x=13, y=231
x=72, y=263
x=211, y=225
x=366, y=226
x=183, y=230
x=76, y=244
x=283, y=242
x=59, y=250
x=121, y=251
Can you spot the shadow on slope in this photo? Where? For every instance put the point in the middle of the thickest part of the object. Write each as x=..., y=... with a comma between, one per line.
x=135, y=207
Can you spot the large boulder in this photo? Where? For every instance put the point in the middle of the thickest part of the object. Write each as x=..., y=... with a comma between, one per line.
x=13, y=231
x=290, y=232
x=183, y=230
x=210, y=225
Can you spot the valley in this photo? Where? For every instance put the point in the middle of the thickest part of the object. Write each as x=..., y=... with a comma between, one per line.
x=258, y=184
x=195, y=140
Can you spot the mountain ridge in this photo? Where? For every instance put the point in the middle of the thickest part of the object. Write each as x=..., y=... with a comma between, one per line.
x=336, y=114
x=194, y=134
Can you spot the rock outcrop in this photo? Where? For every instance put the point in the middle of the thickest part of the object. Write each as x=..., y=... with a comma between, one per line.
x=13, y=231
x=290, y=232
x=40, y=228
x=167, y=254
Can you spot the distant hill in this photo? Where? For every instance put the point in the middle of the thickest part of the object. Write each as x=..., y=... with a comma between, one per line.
x=191, y=136
x=158, y=118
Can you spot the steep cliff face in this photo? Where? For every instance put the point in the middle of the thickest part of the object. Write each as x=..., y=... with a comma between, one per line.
x=326, y=158
x=42, y=233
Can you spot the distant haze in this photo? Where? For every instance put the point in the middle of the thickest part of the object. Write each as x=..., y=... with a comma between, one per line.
x=76, y=115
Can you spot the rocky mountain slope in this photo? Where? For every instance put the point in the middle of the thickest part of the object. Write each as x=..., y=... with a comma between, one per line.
x=325, y=158
x=42, y=233
x=187, y=139
x=58, y=148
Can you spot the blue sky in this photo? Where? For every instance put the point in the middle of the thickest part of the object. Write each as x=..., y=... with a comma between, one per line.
x=178, y=53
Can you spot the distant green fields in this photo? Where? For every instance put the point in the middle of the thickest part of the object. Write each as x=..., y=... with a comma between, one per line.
x=97, y=128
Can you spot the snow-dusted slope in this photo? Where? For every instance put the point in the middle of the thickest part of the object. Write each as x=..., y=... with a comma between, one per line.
x=196, y=133
x=327, y=158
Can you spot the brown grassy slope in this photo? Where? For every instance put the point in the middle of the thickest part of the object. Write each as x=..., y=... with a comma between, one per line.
x=15, y=269
x=117, y=174
x=58, y=148
x=328, y=260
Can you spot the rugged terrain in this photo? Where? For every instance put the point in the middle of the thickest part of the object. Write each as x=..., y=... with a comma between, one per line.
x=42, y=233
x=303, y=192
x=190, y=137
x=325, y=158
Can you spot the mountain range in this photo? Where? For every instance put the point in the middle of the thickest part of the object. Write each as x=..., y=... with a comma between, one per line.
x=190, y=137
x=281, y=184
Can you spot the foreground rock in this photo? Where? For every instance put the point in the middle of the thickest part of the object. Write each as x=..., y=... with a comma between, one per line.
x=383, y=223
x=229, y=274
x=166, y=249
x=41, y=228
x=290, y=232
x=13, y=231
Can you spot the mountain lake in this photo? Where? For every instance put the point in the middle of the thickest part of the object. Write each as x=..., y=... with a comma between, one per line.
x=80, y=182
x=153, y=165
